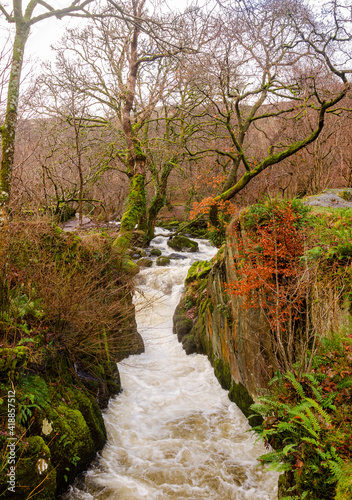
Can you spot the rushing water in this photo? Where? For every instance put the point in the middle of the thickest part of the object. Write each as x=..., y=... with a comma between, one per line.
x=173, y=433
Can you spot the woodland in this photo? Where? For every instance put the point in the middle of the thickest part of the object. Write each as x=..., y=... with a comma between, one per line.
x=193, y=118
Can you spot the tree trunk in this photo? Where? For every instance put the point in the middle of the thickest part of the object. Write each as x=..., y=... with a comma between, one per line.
x=8, y=129
x=159, y=198
x=136, y=207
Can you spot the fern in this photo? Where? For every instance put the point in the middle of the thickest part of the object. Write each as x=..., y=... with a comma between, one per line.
x=344, y=384
x=322, y=412
x=300, y=391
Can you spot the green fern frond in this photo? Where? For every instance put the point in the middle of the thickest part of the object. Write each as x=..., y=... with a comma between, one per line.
x=321, y=411
x=261, y=409
x=313, y=420
x=299, y=389
x=271, y=457
x=345, y=383
x=311, y=441
x=336, y=469
x=288, y=448
x=286, y=426
x=317, y=394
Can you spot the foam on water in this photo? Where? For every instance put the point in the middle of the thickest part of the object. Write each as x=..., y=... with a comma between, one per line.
x=173, y=433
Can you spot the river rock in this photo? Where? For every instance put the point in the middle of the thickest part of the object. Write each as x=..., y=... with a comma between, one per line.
x=182, y=244
x=130, y=267
x=155, y=251
x=144, y=262
x=140, y=251
x=162, y=261
x=177, y=256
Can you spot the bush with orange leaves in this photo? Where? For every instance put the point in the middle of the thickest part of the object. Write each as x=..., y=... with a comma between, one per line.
x=269, y=268
x=219, y=212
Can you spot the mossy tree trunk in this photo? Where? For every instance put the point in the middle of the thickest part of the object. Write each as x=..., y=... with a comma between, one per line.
x=158, y=200
x=136, y=207
x=8, y=129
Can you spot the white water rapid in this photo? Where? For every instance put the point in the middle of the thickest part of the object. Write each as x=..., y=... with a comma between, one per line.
x=173, y=433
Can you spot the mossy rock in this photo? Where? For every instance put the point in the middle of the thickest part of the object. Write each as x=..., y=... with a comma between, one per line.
x=140, y=251
x=91, y=414
x=223, y=373
x=182, y=244
x=181, y=324
x=73, y=447
x=189, y=344
x=144, y=262
x=198, y=270
x=35, y=472
x=162, y=261
x=129, y=267
x=155, y=251
x=344, y=486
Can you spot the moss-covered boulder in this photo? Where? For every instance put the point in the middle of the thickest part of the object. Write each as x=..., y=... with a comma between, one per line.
x=140, y=251
x=182, y=244
x=162, y=261
x=129, y=267
x=35, y=473
x=155, y=251
x=144, y=262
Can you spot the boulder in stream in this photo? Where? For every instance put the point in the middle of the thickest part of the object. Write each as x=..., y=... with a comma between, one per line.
x=182, y=244
x=155, y=251
x=177, y=256
x=162, y=260
x=144, y=262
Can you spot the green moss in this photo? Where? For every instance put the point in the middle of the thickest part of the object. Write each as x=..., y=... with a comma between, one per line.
x=162, y=261
x=35, y=472
x=222, y=373
x=129, y=267
x=198, y=270
x=122, y=243
x=189, y=344
x=12, y=359
x=183, y=326
x=155, y=251
x=91, y=414
x=73, y=448
x=136, y=204
x=239, y=395
x=183, y=244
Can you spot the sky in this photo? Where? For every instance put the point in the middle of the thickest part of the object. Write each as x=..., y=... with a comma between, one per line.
x=49, y=31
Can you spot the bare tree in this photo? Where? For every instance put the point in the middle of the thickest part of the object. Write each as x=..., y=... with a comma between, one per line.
x=127, y=68
x=266, y=72
x=23, y=20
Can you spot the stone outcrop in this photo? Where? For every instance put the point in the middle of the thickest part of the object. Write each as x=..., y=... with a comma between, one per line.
x=238, y=340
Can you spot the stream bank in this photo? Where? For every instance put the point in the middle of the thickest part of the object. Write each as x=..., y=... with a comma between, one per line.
x=66, y=318
x=173, y=433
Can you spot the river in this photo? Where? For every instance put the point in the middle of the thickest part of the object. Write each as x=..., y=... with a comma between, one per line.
x=173, y=433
